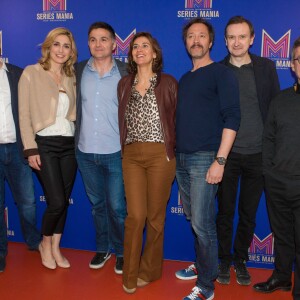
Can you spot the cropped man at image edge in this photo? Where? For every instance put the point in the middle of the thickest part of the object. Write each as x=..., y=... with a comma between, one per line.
x=13, y=167
x=281, y=169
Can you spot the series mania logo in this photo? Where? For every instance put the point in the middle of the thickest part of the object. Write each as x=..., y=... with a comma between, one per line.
x=262, y=251
x=5, y=59
x=178, y=209
x=43, y=199
x=198, y=8
x=54, y=10
x=122, y=46
x=278, y=51
x=9, y=231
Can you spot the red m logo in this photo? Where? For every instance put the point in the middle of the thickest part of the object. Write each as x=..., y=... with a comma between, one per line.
x=264, y=246
x=272, y=49
x=123, y=45
x=198, y=4
x=54, y=5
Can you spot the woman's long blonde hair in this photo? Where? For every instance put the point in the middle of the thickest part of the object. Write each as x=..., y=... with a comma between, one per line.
x=45, y=59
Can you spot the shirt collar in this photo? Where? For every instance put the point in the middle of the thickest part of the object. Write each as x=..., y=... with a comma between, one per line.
x=113, y=70
x=249, y=65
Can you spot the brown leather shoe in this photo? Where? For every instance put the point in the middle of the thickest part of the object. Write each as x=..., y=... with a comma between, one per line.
x=271, y=285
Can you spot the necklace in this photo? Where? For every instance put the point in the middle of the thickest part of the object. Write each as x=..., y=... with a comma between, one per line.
x=145, y=85
x=57, y=76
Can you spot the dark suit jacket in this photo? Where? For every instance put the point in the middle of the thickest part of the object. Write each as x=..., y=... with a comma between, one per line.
x=266, y=80
x=13, y=75
x=79, y=70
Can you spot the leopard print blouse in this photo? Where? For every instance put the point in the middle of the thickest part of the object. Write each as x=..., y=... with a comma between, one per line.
x=142, y=116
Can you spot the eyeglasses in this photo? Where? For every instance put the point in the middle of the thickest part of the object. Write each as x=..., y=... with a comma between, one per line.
x=298, y=59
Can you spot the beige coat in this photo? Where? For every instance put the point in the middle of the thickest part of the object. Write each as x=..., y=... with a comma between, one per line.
x=38, y=101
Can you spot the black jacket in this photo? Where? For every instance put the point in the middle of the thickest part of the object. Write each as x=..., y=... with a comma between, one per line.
x=281, y=141
x=266, y=80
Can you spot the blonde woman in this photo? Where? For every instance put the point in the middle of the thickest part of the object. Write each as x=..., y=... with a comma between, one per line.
x=47, y=114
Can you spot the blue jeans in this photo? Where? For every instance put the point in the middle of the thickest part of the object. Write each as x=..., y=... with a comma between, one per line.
x=103, y=180
x=198, y=199
x=19, y=177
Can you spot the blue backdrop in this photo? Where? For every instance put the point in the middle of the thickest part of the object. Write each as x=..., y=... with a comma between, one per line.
x=24, y=25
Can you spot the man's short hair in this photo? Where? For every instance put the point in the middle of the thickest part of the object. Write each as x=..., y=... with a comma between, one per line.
x=295, y=45
x=239, y=20
x=199, y=21
x=103, y=25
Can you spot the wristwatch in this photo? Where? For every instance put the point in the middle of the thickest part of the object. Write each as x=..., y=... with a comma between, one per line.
x=221, y=160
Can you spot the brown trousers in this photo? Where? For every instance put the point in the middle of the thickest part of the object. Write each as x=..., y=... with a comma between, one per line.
x=148, y=177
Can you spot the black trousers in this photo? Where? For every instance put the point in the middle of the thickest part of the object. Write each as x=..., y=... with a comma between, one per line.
x=246, y=168
x=57, y=175
x=284, y=211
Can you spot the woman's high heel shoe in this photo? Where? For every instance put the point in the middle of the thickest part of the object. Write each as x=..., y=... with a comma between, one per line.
x=49, y=264
x=63, y=263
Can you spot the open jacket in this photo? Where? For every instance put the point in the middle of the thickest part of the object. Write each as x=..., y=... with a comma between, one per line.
x=38, y=102
x=266, y=80
x=166, y=98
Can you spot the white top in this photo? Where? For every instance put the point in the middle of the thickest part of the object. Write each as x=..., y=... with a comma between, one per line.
x=7, y=124
x=62, y=126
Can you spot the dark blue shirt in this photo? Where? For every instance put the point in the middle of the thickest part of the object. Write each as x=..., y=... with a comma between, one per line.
x=208, y=102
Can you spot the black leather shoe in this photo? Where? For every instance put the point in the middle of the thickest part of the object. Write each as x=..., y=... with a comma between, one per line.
x=271, y=285
x=2, y=263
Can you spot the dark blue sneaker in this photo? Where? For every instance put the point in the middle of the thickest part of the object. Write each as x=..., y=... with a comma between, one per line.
x=187, y=274
x=198, y=294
